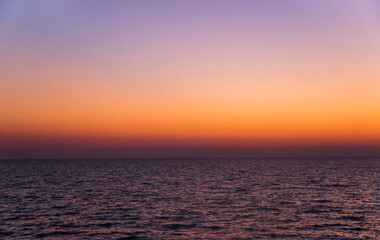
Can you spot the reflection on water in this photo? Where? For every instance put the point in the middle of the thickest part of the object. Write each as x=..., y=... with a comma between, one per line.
x=190, y=198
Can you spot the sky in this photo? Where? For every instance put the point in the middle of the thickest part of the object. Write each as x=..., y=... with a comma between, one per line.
x=146, y=78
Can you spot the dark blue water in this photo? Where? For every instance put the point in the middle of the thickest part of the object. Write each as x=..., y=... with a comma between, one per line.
x=190, y=199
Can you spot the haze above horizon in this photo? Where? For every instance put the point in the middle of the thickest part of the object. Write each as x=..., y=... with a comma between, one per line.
x=189, y=78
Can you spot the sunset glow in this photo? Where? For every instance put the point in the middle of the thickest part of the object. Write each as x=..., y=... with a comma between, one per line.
x=189, y=73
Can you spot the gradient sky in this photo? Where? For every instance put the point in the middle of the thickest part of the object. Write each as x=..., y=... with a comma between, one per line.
x=149, y=78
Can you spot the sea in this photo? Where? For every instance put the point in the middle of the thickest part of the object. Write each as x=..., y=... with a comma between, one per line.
x=225, y=198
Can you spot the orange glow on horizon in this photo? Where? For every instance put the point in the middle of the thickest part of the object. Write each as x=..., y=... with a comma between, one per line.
x=253, y=79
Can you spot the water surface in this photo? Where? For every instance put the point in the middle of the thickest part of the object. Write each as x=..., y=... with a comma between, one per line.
x=190, y=199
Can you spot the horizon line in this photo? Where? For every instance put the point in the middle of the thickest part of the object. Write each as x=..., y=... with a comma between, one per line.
x=232, y=157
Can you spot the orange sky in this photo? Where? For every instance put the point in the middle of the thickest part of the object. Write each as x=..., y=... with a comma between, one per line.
x=242, y=73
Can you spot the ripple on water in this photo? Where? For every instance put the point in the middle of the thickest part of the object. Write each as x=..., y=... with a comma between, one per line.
x=190, y=199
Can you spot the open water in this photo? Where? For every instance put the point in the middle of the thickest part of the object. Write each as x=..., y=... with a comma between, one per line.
x=190, y=199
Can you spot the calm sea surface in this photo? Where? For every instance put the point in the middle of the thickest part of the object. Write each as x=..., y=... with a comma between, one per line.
x=190, y=199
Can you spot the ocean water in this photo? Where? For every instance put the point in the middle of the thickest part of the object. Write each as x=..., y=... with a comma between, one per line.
x=190, y=199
